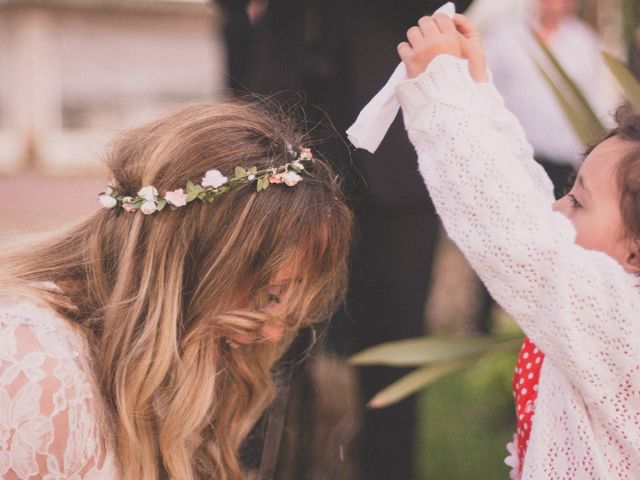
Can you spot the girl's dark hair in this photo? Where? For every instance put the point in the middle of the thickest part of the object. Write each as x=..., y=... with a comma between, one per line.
x=628, y=171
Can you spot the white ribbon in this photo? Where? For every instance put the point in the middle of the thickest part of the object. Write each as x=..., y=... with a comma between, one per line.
x=377, y=116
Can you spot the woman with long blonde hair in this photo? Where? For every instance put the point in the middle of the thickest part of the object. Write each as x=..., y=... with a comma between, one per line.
x=139, y=344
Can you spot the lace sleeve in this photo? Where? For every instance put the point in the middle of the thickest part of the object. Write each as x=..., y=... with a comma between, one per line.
x=578, y=306
x=47, y=423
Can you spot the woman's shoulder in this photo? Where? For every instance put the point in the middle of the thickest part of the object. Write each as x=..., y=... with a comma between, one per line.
x=48, y=394
x=36, y=327
x=37, y=345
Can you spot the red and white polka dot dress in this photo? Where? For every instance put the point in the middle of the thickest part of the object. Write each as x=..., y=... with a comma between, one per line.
x=525, y=391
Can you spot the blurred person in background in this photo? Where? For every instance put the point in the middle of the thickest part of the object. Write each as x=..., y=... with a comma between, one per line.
x=336, y=54
x=511, y=50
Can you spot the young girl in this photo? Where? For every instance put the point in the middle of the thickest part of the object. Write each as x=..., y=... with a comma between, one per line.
x=566, y=271
x=138, y=344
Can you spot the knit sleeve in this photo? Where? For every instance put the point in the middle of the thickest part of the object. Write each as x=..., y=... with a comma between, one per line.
x=495, y=202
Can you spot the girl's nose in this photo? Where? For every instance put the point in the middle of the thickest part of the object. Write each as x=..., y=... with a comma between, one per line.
x=558, y=205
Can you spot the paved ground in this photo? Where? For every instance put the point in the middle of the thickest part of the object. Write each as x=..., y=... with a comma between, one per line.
x=33, y=202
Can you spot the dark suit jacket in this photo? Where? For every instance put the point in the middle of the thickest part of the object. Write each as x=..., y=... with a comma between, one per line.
x=339, y=53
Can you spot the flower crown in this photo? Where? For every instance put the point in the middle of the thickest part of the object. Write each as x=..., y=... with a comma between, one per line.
x=212, y=186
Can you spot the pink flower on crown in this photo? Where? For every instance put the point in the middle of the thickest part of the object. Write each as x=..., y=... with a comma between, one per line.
x=177, y=198
x=305, y=154
x=290, y=178
x=214, y=179
x=277, y=178
x=126, y=204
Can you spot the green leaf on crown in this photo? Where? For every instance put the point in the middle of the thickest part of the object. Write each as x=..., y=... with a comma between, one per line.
x=262, y=183
x=193, y=191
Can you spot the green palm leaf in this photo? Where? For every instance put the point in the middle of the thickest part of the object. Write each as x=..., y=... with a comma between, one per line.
x=419, y=351
x=629, y=84
x=581, y=115
x=586, y=130
x=412, y=383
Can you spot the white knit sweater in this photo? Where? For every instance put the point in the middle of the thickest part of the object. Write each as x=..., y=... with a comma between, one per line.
x=578, y=306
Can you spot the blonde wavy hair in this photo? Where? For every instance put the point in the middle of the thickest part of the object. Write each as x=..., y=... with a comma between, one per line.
x=156, y=295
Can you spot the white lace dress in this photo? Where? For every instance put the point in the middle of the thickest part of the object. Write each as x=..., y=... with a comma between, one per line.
x=578, y=306
x=49, y=426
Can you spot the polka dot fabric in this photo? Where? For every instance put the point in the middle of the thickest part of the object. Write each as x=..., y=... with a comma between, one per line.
x=525, y=391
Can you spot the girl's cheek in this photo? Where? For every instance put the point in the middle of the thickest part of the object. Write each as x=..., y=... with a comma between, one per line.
x=272, y=333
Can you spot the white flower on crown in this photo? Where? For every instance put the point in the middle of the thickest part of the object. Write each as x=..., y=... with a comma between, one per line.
x=290, y=178
x=177, y=198
x=107, y=201
x=297, y=165
x=214, y=179
x=148, y=193
x=148, y=207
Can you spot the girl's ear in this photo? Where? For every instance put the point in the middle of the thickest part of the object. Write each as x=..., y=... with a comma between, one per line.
x=632, y=263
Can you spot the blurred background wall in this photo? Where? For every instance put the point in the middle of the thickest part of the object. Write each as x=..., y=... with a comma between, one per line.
x=72, y=72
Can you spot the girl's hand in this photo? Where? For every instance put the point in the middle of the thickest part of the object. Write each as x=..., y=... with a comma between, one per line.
x=440, y=35
x=472, y=48
x=432, y=37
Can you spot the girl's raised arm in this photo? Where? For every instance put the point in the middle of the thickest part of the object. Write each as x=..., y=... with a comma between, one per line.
x=496, y=204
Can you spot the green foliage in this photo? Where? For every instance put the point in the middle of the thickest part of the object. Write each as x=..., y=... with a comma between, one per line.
x=413, y=382
x=466, y=419
x=419, y=351
x=579, y=112
x=576, y=107
x=631, y=16
x=437, y=356
x=627, y=81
